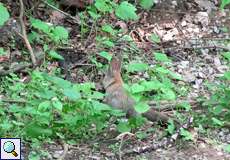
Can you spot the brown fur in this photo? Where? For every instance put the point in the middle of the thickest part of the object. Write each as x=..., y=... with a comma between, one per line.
x=117, y=97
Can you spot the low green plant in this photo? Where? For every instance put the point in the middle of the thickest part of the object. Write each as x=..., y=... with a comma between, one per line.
x=51, y=107
x=4, y=14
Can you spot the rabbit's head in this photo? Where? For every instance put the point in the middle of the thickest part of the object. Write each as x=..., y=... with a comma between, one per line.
x=113, y=74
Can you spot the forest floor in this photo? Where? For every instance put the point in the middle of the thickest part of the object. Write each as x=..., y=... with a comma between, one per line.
x=192, y=34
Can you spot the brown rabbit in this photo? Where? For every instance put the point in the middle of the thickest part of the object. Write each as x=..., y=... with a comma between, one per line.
x=117, y=97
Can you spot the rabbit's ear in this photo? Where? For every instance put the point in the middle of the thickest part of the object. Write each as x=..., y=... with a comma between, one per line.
x=115, y=64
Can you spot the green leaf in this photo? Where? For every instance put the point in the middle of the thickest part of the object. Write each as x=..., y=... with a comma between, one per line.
x=186, y=106
x=106, y=55
x=71, y=94
x=217, y=121
x=175, y=75
x=224, y=3
x=108, y=43
x=100, y=106
x=137, y=88
x=226, y=55
x=57, y=104
x=162, y=70
x=155, y=38
x=152, y=85
x=141, y=107
x=4, y=14
x=35, y=130
x=227, y=148
x=2, y=52
x=103, y=6
x=186, y=134
x=161, y=57
x=168, y=94
x=55, y=55
x=44, y=106
x=126, y=11
x=132, y=67
x=141, y=135
x=227, y=75
x=40, y=25
x=171, y=127
x=123, y=127
x=146, y=4
x=84, y=87
x=109, y=29
x=60, y=33
x=94, y=15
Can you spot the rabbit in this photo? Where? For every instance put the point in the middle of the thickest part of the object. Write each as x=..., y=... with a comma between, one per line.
x=117, y=97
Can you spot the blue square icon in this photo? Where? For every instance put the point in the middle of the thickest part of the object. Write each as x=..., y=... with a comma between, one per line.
x=10, y=148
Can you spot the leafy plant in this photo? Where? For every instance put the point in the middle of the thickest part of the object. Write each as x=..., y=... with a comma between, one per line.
x=224, y=3
x=146, y=4
x=126, y=11
x=4, y=14
x=53, y=107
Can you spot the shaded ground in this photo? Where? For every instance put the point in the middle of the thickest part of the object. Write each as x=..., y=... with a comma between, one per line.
x=192, y=34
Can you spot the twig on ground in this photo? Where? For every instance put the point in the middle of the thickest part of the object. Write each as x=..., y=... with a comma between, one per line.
x=15, y=69
x=165, y=143
x=64, y=13
x=25, y=38
x=65, y=151
x=12, y=101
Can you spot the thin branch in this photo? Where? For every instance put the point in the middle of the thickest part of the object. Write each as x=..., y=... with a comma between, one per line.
x=14, y=69
x=65, y=151
x=25, y=35
x=64, y=13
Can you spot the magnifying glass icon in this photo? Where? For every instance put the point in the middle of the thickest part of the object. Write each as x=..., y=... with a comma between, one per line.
x=9, y=147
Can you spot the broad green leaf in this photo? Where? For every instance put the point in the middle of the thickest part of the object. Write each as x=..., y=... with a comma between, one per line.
x=224, y=3
x=100, y=106
x=55, y=55
x=162, y=70
x=175, y=75
x=4, y=14
x=94, y=15
x=108, y=43
x=154, y=38
x=60, y=33
x=137, y=88
x=57, y=104
x=168, y=94
x=186, y=134
x=84, y=87
x=40, y=25
x=141, y=107
x=44, y=106
x=217, y=110
x=151, y=85
x=226, y=55
x=96, y=95
x=141, y=135
x=146, y=4
x=217, y=121
x=103, y=6
x=132, y=67
x=161, y=57
x=126, y=11
x=171, y=127
x=227, y=148
x=227, y=75
x=71, y=94
x=186, y=106
x=109, y=29
x=35, y=130
x=2, y=52
x=123, y=127
x=106, y=55
x=57, y=81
